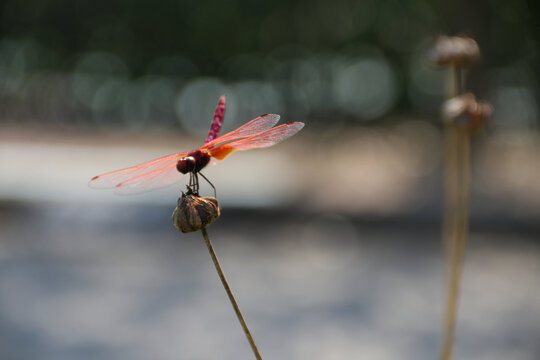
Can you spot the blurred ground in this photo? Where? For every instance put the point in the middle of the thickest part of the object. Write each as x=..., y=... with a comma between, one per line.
x=334, y=253
x=119, y=282
x=383, y=170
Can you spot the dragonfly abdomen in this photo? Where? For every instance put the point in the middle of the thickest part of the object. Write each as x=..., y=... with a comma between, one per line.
x=219, y=114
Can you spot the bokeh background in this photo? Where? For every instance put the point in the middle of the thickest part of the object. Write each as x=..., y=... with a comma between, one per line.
x=331, y=240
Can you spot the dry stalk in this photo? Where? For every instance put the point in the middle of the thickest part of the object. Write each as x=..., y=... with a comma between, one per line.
x=455, y=226
x=230, y=295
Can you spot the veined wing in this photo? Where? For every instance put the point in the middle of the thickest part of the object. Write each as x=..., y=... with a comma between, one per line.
x=251, y=128
x=261, y=140
x=139, y=178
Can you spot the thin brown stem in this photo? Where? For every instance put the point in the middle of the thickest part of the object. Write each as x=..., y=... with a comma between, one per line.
x=230, y=295
x=455, y=226
x=451, y=192
x=458, y=81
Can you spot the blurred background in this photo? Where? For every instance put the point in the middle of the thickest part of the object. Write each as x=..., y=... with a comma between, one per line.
x=331, y=240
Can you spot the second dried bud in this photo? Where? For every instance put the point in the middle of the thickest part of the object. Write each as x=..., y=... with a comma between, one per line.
x=195, y=212
x=466, y=112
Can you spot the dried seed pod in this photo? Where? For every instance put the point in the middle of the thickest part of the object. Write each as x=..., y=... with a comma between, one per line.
x=455, y=50
x=195, y=212
x=467, y=113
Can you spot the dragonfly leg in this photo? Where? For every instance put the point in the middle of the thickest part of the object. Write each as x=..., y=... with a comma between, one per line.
x=208, y=181
x=193, y=183
x=190, y=185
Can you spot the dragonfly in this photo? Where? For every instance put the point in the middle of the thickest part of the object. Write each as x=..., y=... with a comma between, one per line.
x=167, y=170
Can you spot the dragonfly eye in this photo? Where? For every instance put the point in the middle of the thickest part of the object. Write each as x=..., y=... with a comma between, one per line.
x=186, y=164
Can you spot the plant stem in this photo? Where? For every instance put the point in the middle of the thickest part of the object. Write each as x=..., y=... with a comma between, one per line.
x=455, y=226
x=230, y=295
x=458, y=80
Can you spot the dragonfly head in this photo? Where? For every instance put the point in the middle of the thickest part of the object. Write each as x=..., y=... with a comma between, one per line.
x=186, y=164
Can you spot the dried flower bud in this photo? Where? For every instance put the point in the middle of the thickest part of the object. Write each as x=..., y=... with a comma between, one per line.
x=467, y=113
x=455, y=50
x=195, y=212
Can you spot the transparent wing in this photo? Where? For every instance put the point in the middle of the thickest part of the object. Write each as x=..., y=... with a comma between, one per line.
x=251, y=128
x=154, y=179
x=261, y=140
x=139, y=178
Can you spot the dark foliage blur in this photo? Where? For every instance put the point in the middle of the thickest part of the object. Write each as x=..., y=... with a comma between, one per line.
x=140, y=64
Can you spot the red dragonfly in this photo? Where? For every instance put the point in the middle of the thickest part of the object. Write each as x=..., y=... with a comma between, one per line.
x=166, y=170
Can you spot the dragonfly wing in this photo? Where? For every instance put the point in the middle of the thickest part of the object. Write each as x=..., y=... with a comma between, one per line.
x=251, y=128
x=261, y=140
x=154, y=179
x=139, y=178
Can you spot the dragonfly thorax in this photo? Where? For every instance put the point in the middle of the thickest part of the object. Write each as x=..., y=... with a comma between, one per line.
x=194, y=161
